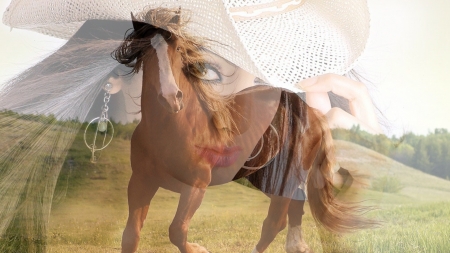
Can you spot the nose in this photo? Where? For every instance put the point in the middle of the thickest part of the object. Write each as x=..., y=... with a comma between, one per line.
x=241, y=112
x=238, y=121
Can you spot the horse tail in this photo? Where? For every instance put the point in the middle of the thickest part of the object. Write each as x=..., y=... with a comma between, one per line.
x=332, y=213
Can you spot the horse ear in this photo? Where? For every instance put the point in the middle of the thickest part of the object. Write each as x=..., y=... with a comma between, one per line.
x=137, y=25
x=177, y=18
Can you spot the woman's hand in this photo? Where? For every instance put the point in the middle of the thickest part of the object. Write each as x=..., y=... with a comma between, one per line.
x=361, y=106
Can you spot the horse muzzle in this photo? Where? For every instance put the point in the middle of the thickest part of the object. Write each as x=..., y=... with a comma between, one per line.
x=172, y=102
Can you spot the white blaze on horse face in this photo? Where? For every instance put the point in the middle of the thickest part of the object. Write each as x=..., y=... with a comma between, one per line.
x=168, y=94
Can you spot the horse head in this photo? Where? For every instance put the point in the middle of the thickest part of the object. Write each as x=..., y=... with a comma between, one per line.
x=169, y=95
x=180, y=112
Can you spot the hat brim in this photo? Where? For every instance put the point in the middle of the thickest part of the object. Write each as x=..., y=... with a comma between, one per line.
x=320, y=36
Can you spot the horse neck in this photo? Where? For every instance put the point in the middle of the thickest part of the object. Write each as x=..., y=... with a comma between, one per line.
x=150, y=108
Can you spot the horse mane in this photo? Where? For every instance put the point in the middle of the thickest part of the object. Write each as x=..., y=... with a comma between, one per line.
x=171, y=23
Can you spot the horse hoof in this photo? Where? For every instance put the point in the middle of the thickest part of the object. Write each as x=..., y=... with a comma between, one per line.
x=196, y=248
x=299, y=249
x=295, y=242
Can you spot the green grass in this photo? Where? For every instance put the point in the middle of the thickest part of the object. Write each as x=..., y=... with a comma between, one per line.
x=90, y=209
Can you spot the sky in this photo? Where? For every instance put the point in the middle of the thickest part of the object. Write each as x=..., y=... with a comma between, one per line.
x=406, y=62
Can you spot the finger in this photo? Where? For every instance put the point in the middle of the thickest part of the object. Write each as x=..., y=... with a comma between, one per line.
x=319, y=101
x=338, y=118
x=356, y=93
x=339, y=85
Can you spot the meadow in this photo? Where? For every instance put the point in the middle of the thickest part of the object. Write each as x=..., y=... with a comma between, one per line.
x=90, y=209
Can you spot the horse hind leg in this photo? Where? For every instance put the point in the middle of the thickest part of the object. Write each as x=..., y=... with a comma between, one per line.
x=140, y=192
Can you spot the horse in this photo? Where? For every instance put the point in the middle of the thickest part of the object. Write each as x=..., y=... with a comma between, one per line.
x=190, y=137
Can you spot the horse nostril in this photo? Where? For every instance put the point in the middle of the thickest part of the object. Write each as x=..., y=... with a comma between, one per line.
x=171, y=104
x=179, y=95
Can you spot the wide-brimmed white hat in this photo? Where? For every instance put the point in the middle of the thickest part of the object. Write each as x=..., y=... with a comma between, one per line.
x=280, y=41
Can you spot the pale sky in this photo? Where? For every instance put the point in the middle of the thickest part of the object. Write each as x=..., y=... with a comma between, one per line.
x=407, y=60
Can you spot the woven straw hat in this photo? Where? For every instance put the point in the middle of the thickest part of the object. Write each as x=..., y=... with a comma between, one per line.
x=280, y=41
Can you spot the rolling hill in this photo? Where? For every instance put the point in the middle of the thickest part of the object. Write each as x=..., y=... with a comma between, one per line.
x=89, y=208
x=90, y=212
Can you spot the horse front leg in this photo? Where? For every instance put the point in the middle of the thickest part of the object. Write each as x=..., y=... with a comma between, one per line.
x=274, y=223
x=140, y=192
x=294, y=239
x=190, y=199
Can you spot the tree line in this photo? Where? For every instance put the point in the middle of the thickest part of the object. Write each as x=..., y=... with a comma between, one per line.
x=429, y=153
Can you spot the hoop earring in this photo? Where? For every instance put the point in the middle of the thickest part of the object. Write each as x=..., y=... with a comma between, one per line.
x=271, y=159
x=259, y=151
x=102, y=126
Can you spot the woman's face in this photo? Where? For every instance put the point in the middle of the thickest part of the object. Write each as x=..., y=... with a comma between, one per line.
x=184, y=141
x=254, y=111
x=121, y=78
x=130, y=84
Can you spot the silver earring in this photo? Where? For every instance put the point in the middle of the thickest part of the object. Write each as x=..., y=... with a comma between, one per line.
x=103, y=124
x=262, y=142
x=259, y=151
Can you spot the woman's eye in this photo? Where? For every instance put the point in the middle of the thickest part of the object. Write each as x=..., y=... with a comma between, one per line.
x=211, y=74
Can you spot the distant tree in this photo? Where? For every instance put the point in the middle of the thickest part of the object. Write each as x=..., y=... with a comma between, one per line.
x=433, y=146
x=443, y=164
x=403, y=153
x=440, y=131
x=383, y=144
x=421, y=159
x=410, y=139
x=430, y=153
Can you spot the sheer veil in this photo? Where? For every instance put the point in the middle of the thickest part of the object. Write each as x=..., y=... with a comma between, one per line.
x=42, y=110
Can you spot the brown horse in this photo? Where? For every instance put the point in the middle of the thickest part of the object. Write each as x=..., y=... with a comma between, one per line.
x=191, y=137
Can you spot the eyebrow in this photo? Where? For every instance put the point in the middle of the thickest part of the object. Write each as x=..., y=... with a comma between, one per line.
x=215, y=65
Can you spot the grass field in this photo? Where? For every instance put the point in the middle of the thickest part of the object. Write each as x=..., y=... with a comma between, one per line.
x=90, y=210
